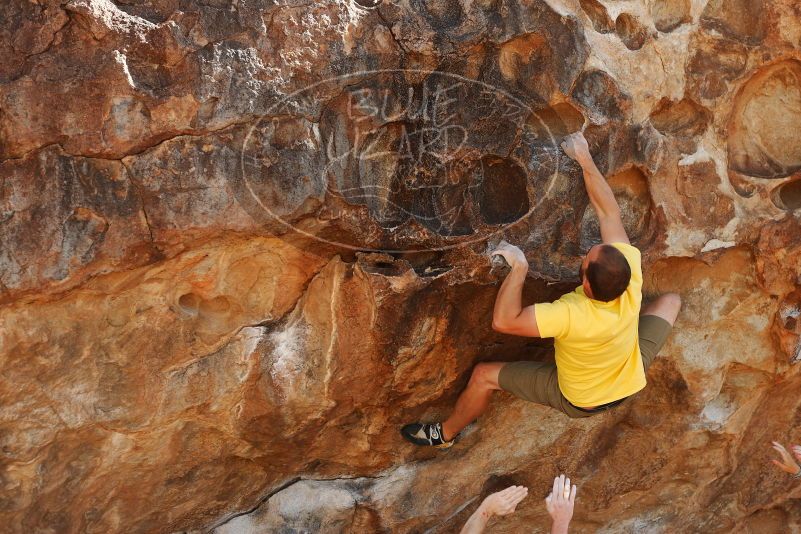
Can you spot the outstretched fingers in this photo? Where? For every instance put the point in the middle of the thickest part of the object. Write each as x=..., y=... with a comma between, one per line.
x=780, y=449
x=786, y=462
x=518, y=494
x=778, y=446
x=558, y=484
x=561, y=500
x=508, y=499
x=513, y=492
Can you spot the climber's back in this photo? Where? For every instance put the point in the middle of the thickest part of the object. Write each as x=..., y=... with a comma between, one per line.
x=596, y=342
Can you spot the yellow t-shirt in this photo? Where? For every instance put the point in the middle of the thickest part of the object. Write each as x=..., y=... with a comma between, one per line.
x=597, y=344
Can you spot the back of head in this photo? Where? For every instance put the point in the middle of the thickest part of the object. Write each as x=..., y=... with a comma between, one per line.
x=609, y=274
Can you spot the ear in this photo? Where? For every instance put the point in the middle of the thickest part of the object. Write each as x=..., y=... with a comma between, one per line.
x=586, y=285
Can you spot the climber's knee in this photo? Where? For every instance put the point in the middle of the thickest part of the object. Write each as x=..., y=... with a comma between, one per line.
x=485, y=375
x=666, y=306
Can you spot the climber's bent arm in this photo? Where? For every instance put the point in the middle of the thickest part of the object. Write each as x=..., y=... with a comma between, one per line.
x=509, y=315
x=603, y=200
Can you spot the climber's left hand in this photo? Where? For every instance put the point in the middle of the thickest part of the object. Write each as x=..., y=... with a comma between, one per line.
x=512, y=254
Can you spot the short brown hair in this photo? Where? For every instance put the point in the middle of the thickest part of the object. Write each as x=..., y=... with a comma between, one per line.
x=609, y=275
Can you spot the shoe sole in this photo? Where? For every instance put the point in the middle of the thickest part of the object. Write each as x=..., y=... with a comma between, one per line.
x=447, y=445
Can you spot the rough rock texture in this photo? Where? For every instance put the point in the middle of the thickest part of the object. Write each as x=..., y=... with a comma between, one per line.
x=241, y=243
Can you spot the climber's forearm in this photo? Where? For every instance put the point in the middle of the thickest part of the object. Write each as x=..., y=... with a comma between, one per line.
x=604, y=202
x=509, y=316
x=477, y=522
x=601, y=196
x=509, y=302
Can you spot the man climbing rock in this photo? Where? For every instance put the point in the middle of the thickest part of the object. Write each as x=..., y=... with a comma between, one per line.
x=604, y=340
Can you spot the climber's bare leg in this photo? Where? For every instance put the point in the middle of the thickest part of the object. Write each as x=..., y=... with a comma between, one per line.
x=473, y=401
x=666, y=306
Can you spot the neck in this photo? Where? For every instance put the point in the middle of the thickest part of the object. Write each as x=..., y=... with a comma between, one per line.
x=587, y=290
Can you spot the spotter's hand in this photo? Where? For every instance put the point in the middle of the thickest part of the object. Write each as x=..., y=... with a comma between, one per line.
x=561, y=500
x=504, y=502
x=786, y=462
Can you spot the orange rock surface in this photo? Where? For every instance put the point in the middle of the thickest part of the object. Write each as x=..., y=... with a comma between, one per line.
x=242, y=243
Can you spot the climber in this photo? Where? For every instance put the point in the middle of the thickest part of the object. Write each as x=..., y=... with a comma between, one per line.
x=559, y=504
x=604, y=341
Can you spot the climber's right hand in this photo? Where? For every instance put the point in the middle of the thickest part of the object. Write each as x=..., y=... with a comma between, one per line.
x=512, y=254
x=575, y=146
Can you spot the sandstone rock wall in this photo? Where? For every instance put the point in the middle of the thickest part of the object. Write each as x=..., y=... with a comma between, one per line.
x=241, y=243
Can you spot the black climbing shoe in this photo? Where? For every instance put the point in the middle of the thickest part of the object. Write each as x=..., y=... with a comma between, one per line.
x=426, y=435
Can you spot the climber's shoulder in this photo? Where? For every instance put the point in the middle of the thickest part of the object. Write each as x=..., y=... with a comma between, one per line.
x=634, y=258
x=632, y=253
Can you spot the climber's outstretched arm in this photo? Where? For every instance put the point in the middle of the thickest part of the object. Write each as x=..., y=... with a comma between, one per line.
x=509, y=315
x=601, y=196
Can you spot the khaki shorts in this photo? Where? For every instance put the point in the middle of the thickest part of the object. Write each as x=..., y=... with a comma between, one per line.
x=538, y=382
